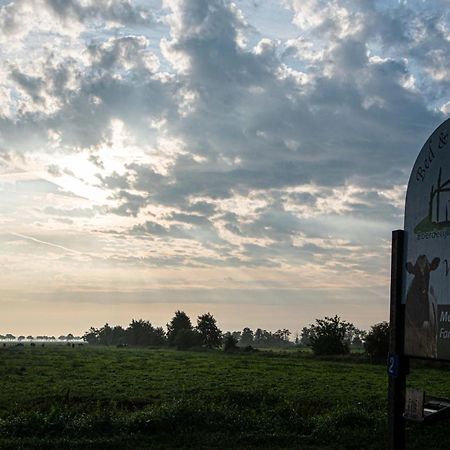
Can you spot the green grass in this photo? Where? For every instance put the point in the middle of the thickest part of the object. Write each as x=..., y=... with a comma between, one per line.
x=89, y=397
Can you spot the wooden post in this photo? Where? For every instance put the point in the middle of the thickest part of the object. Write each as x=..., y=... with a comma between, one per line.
x=398, y=363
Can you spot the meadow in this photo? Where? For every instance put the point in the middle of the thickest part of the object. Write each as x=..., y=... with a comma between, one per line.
x=130, y=398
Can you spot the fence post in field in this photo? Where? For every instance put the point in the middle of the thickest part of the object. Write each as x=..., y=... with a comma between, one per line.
x=397, y=362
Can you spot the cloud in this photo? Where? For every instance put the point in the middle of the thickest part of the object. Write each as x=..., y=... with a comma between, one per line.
x=75, y=212
x=117, y=11
x=124, y=53
x=19, y=18
x=199, y=130
x=193, y=219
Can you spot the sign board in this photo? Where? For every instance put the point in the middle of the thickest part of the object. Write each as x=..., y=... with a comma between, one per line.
x=426, y=283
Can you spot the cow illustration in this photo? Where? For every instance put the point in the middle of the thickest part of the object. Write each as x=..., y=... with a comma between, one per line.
x=421, y=310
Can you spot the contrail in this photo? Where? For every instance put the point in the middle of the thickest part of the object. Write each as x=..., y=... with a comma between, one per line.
x=30, y=238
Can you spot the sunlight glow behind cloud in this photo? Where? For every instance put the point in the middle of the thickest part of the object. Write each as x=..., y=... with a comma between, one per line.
x=238, y=157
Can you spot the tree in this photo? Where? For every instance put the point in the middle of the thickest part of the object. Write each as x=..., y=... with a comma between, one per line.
x=246, y=337
x=187, y=338
x=264, y=338
x=286, y=333
x=105, y=335
x=358, y=338
x=91, y=336
x=229, y=343
x=280, y=337
x=259, y=336
x=141, y=332
x=209, y=332
x=329, y=336
x=377, y=341
x=305, y=336
x=277, y=337
x=101, y=336
x=180, y=321
x=118, y=335
x=138, y=332
x=237, y=335
x=159, y=336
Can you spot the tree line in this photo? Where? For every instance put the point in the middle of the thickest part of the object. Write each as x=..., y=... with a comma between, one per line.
x=180, y=333
x=69, y=337
x=327, y=336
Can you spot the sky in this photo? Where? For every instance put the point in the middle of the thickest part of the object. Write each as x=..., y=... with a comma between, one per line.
x=245, y=158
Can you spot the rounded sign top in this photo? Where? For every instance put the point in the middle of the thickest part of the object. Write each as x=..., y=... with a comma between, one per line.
x=427, y=250
x=430, y=172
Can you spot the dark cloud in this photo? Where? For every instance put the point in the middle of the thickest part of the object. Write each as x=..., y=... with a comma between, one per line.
x=150, y=228
x=155, y=229
x=193, y=219
x=202, y=207
x=130, y=204
x=124, y=53
x=32, y=85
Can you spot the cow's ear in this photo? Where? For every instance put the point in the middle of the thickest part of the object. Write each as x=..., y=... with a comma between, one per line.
x=435, y=264
x=410, y=268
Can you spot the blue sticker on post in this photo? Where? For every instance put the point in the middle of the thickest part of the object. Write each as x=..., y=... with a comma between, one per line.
x=393, y=363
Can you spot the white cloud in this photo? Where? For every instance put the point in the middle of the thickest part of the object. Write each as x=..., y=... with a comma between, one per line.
x=185, y=137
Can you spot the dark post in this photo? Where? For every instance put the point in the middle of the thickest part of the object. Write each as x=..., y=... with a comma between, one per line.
x=397, y=361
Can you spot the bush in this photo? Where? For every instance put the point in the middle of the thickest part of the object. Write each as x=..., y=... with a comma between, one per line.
x=377, y=341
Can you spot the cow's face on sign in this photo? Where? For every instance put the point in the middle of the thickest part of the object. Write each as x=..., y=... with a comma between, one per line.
x=421, y=271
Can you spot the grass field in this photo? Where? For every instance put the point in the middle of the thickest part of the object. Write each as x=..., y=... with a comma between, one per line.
x=59, y=397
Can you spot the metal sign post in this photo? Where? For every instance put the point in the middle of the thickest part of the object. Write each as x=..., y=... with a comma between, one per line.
x=397, y=362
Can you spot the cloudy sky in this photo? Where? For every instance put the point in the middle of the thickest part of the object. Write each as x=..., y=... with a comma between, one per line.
x=246, y=158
